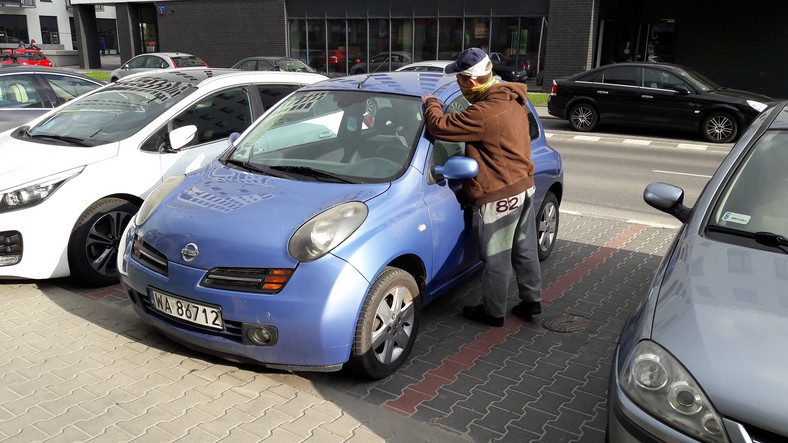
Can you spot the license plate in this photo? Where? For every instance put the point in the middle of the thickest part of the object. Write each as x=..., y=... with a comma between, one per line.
x=187, y=310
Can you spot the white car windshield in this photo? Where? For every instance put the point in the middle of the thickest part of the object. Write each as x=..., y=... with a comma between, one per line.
x=109, y=115
x=345, y=136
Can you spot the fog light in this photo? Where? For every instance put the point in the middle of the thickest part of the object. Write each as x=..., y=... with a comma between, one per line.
x=259, y=335
x=10, y=248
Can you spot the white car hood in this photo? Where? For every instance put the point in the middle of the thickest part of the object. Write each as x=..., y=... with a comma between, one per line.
x=23, y=161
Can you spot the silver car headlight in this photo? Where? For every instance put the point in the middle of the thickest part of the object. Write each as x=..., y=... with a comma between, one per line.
x=122, y=247
x=35, y=192
x=156, y=197
x=325, y=231
x=758, y=106
x=658, y=383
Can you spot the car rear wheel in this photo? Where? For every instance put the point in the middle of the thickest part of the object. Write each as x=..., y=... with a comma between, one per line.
x=93, y=246
x=547, y=225
x=720, y=127
x=387, y=325
x=583, y=117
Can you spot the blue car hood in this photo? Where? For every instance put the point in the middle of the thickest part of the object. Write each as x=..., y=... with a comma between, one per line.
x=238, y=219
x=723, y=312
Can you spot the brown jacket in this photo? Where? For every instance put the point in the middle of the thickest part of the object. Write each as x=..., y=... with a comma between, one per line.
x=496, y=135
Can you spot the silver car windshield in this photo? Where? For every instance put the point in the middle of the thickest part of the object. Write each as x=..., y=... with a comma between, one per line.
x=110, y=114
x=353, y=136
x=756, y=198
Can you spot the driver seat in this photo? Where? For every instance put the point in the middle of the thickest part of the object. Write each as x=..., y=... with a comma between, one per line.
x=387, y=127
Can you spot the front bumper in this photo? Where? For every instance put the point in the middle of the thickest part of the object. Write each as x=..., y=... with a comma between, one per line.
x=315, y=314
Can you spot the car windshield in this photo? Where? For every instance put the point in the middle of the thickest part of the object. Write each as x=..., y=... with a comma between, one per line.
x=187, y=62
x=349, y=136
x=111, y=114
x=756, y=198
x=293, y=66
x=698, y=80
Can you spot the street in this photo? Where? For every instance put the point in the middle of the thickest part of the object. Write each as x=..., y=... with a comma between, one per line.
x=80, y=365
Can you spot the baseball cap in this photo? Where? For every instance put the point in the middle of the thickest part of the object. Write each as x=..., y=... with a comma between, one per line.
x=471, y=62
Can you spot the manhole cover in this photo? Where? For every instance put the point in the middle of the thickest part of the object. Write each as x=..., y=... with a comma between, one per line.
x=566, y=323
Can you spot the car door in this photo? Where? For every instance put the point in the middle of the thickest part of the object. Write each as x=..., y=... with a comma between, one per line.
x=455, y=246
x=137, y=64
x=618, y=94
x=666, y=100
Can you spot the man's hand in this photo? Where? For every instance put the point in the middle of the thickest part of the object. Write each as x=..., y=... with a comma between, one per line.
x=425, y=98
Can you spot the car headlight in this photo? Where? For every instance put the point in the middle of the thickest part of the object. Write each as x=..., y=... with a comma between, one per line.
x=758, y=106
x=34, y=192
x=658, y=383
x=156, y=197
x=325, y=231
x=122, y=247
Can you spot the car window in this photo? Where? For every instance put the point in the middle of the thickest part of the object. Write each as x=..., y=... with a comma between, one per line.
x=360, y=136
x=621, y=75
x=249, y=65
x=379, y=58
x=218, y=115
x=533, y=126
x=271, y=94
x=138, y=62
x=756, y=197
x=289, y=65
x=187, y=62
x=155, y=62
x=442, y=150
x=67, y=88
x=18, y=91
x=657, y=78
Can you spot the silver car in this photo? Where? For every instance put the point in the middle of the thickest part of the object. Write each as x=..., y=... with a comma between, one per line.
x=156, y=60
x=703, y=358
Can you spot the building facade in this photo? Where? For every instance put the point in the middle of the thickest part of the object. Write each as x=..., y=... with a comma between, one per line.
x=734, y=44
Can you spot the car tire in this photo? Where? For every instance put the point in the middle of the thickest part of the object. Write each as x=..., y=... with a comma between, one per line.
x=113, y=79
x=547, y=225
x=720, y=127
x=583, y=117
x=387, y=325
x=94, y=241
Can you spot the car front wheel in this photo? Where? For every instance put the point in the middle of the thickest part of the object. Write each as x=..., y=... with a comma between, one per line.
x=93, y=246
x=547, y=225
x=720, y=127
x=583, y=117
x=387, y=325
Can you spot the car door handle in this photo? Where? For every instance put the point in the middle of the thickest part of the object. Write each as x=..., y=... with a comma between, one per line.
x=601, y=92
x=647, y=96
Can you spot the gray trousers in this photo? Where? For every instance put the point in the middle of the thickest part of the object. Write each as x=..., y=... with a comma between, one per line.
x=507, y=239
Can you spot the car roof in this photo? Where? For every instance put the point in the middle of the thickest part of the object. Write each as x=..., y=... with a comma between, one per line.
x=199, y=76
x=22, y=69
x=436, y=63
x=411, y=83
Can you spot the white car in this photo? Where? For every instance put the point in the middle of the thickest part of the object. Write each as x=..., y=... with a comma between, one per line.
x=71, y=179
x=427, y=65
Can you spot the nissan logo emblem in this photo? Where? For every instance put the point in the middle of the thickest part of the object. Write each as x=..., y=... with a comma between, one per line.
x=190, y=252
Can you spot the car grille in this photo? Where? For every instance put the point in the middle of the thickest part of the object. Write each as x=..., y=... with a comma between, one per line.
x=149, y=257
x=259, y=280
x=232, y=329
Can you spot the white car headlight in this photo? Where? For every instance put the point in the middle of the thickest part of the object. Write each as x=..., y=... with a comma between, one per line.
x=658, y=383
x=758, y=106
x=34, y=192
x=325, y=231
x=156, y=197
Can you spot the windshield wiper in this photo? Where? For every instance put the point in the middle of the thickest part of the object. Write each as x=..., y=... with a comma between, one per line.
x=63, y=138
x=312, y=172
x=765, y=238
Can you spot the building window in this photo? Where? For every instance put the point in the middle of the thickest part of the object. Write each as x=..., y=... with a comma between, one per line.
x=13, y=28
x=49, y=32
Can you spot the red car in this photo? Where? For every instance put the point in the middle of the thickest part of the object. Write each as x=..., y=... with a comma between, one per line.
x=28, y=57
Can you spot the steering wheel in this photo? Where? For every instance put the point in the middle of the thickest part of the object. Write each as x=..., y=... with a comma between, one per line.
x=394, y=152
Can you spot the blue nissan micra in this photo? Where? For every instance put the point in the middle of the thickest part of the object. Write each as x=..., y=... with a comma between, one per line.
x=316, y=238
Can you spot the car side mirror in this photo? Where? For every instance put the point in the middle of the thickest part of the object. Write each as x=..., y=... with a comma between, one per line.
x=181, y=137
x=233, y=137
x=126, y=67
x=667, y=198
x=682, y=90
x=457, y=168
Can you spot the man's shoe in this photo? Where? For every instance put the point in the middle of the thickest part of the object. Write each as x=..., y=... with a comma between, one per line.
x=477, y=313
x=527, y=309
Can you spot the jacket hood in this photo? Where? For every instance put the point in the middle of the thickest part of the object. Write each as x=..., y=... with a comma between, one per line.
x=506, y=91
x=722, y=311
x=25, y=161
x=233, y=215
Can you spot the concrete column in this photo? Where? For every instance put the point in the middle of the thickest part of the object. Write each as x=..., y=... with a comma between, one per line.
x=87, y=36
x=128, y=22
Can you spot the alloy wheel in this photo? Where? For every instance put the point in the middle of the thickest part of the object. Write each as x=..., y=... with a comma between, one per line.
x=393, y=325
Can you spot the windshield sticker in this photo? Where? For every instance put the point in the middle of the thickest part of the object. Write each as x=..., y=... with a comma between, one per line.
x=736, y=218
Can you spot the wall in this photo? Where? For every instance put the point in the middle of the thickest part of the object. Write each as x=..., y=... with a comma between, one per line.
x=571, y=33
x=222, y=33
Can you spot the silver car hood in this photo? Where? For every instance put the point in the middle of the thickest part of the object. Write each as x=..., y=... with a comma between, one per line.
x=723, y=312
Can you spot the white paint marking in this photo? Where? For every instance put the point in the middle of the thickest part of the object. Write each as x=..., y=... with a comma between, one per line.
x=565, y=211
x=654, y=225
x=692, y=146
x=632, y=141
x=681, y=173
x=589, y=138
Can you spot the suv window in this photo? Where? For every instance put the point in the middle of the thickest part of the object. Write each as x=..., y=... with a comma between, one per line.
x=621, y=75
